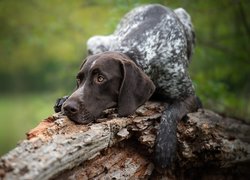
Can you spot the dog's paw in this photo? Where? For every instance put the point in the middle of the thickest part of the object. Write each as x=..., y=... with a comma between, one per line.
x=59, y=103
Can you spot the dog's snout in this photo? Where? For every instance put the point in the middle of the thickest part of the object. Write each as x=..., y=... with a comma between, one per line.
x=71, y=107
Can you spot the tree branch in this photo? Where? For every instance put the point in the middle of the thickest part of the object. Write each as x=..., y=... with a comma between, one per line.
x=122, y=147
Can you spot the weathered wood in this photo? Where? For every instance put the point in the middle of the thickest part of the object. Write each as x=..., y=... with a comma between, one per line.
x=207, y=137
x=115, y=163
x=121, y=148
x=58, y=144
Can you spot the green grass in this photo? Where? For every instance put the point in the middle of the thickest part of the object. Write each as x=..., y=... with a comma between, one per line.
x=20, y=113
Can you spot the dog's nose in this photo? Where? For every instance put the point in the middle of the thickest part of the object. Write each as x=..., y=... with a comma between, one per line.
x=70, y=107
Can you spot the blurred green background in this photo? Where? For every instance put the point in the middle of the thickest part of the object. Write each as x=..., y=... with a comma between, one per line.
x=42, y=44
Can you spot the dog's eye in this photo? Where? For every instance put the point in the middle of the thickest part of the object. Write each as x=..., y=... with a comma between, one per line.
x=99, y=79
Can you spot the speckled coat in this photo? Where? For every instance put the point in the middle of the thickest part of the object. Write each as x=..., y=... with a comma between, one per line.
x=160, y=41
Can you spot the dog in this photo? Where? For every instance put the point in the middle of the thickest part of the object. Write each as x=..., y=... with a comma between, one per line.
x=148, y=54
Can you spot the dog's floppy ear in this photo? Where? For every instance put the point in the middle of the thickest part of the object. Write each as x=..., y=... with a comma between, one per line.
x=136, y=88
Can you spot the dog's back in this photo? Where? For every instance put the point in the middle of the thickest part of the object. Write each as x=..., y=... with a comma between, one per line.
x=189, y=30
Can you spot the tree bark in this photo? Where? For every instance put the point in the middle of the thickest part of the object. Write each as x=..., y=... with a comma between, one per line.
x=209, y=146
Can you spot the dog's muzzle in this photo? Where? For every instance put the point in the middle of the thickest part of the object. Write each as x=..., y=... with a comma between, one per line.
x=77, y=113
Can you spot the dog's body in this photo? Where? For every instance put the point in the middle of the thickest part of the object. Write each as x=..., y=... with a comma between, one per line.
x=151, y=38
x=160, y=41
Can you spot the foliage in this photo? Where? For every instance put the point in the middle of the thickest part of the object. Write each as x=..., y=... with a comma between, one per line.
x=42, y=44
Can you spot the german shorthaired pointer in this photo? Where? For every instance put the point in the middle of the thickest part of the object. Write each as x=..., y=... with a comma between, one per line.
x=148, y=53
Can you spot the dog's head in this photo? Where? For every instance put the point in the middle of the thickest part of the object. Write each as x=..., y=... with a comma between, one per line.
x=107, y=80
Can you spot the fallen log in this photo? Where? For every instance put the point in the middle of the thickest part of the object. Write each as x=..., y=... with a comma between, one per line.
x=209, y=145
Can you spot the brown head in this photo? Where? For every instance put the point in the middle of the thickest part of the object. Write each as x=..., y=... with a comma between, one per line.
x=106, y=80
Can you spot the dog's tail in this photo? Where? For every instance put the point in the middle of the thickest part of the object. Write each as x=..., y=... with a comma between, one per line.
x=189, y=30
x=166, y=140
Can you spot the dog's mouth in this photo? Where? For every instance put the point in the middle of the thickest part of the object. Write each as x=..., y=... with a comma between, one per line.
x=81, y=117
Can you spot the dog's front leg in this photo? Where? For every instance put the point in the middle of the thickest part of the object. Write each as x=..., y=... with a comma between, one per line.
x=166, y=141
x=59, y=103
